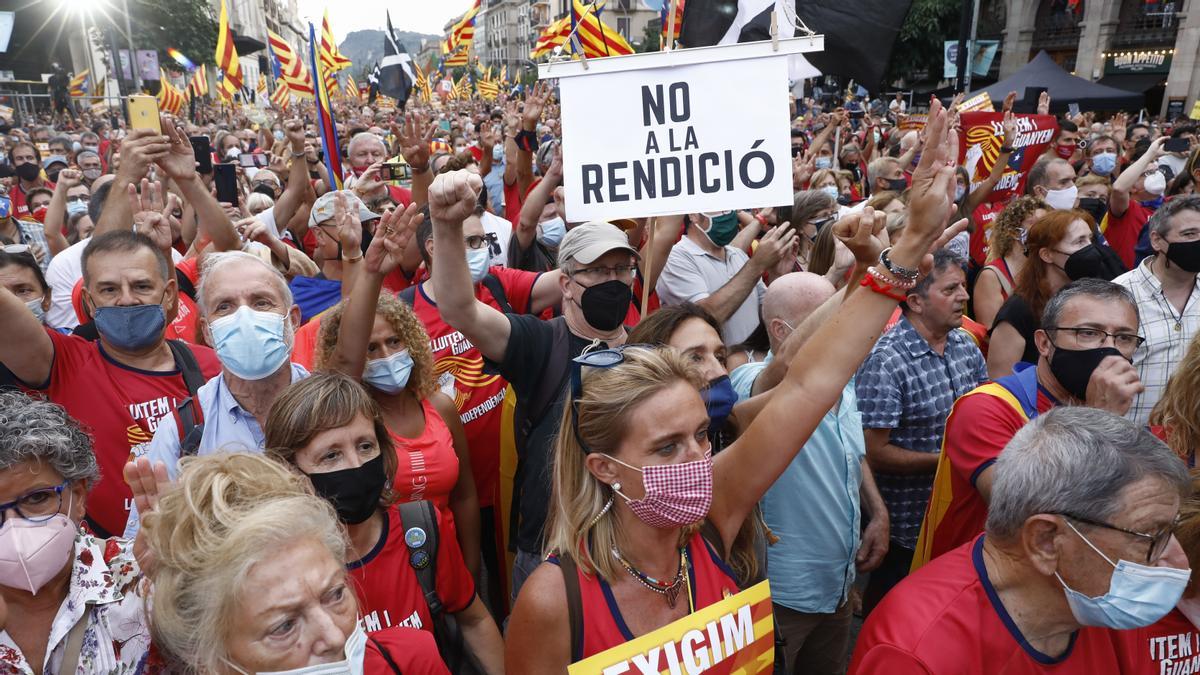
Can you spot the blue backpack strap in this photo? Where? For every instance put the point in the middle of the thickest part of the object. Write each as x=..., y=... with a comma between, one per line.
x=1023, y=385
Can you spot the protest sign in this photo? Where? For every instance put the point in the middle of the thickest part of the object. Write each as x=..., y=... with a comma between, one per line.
x=685, y=131
x=912, y=122
x=99, y=108
x=981, y=102
x=979, y=142
x=736, y=635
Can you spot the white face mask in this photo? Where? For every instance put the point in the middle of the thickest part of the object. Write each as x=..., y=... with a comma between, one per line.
x=35, y=306
x=1062, y=199
x=1155, y=183
x=355, y=651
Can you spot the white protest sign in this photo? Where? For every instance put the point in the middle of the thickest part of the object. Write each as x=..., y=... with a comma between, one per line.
x=677, y=132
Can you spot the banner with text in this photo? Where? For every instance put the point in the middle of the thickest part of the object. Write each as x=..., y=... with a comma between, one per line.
x=734, y=636
x=679, y=139
x=981, y=137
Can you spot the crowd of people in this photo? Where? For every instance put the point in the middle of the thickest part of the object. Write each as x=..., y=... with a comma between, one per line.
x=427, y=422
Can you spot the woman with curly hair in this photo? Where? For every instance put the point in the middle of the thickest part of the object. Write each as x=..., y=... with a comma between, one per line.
x=1006, y=256
x=1176, y=416
x=378, y=339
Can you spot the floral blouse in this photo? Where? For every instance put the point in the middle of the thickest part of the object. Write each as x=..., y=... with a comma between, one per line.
x=106, y=584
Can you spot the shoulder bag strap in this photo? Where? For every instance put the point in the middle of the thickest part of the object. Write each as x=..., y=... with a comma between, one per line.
x=574, y=604
x=387, y=656
x=70, y=661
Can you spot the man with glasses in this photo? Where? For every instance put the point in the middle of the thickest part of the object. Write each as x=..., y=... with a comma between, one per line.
x=1089, y=335
x=1168, y=296
x=597, y=268
x=705, y=269
x=1078, y=548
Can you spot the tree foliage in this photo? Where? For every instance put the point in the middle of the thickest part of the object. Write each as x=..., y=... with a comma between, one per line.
x=187, y=25
x=650, y=37
x=918, y=48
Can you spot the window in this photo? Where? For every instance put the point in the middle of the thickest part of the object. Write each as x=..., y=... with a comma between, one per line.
x=623, y=26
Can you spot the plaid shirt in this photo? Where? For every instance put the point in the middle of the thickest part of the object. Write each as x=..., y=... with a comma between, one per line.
x=907, y=387
x=33, y=233
x=1168, y=333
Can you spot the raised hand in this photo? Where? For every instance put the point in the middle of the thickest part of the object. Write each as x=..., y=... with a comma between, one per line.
x=140, y=149
x=395, y=229
x=453, y=196
x=1010, y=129
x=179, y=162
x=69, y=178
x=1009, y=102
x=349, y=226
x=1043, y=106
x=535, y=102
x=931, y=197
x=414, y=136
x=773, y=246
x=863, y=233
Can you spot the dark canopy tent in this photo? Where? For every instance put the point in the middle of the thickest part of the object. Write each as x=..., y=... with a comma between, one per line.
x=1064, y=88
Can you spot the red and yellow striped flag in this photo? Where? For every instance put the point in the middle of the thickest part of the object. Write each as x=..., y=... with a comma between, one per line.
x=462, y=33
x=227, y=56
x=422, y=82
x=458, y=58
x=262, y=86
x=596, y=37
x=291, y=66
x=170, y=98
x=282, y=95
x=331, y=58
x=199, y=82
x=552, y=36
x=352, y=88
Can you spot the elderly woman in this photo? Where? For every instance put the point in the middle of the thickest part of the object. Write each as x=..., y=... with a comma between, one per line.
x=249, y=577
x=74, y=601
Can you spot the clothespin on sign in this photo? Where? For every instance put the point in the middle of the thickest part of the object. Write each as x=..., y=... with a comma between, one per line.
x=774, y=32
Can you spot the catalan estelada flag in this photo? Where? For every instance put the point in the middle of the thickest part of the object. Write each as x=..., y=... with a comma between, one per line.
x=286, y=63
x=596, y=37
x=331, y=58
x=552, y=36
x=325, y=125
x=227, y=56
x=352, y=88
x=462, y=33
x=78, y=85
x=422, y=82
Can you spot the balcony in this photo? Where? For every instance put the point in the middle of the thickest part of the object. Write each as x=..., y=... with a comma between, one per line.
x=1155, y=29
x=1056, y=31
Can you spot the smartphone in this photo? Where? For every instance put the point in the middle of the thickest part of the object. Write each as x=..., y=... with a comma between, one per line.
x=394, y=171
x=257, y=160
x=225, y=177
x=1177, y=145
x=143, y=113
x=202, y=149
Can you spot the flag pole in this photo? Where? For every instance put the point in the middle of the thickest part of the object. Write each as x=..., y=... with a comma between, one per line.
x=652, y=223
x=670, y=43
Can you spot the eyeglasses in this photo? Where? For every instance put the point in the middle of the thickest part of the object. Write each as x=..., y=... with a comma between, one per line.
x=601, y=358
x=478, y=241
x=1158, y=540
x=37, y=506
x=1091, y=338
x=621, y=272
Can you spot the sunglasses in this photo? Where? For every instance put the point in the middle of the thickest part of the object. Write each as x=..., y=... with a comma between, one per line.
x=601, y=358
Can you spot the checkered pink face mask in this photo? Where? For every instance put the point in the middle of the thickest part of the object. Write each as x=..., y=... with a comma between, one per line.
x=676, y=494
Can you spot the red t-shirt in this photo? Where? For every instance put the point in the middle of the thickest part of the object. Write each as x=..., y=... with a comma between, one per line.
x=1171, y=646
x=984, y=215
x=603, y=625
x=1123, y=231
x=459, y=366
x=427, y=466
x=304, y=345
x=120, y=406
x=413, y=651
x=20, y=209
x=388, y=591
x=402, y=196
x=947, y=618
x=513, y=199
x=977, y=429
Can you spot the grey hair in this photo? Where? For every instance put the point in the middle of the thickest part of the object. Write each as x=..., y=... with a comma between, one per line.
x=1090, y=287
x=1077, y=460
x=1160, y=222
x=362, y=136
x=32, y=429
x=879, y=165
x=943, y=259
x=216, y=260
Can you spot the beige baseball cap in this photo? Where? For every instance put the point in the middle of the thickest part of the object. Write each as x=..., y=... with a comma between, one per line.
x=586, y=242
x=322, y=209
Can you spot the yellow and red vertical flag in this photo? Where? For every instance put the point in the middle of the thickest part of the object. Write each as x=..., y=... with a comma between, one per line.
x=199, y=81
x=325, y=125
x=78, y=86
x=170, y=98
x=352, y=88
x=597, y=38
x=282, y=95
x=331, y=58
x=462, y=33
x=665, y=39
x=227, y=56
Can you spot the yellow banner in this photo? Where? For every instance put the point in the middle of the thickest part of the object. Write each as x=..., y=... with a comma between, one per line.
x=733, y=637
x=1195, y=114
x=981, y=102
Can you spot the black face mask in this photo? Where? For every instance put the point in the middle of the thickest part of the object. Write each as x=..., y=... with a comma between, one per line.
x=606, y=304
x=897, y=185
x=355, y=492
x=53, y=175
x=28, y=172
x=1095, y=207
x=1095, y=262
x=1073, y=368
x=264, y=189
x=1185, y=254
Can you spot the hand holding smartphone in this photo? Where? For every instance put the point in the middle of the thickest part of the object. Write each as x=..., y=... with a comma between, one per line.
x=143, y=113
x=225, y=178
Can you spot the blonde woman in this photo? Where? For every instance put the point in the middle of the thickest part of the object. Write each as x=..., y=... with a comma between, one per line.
x=249, y=577
x=633, y=475
x=1176, y=416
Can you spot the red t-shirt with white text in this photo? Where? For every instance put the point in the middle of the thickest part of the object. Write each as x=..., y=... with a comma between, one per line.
x=1171, y=646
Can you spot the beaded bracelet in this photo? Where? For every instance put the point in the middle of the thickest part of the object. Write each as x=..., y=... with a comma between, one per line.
x=902, y=273
x=889, y=280
x=881, y=288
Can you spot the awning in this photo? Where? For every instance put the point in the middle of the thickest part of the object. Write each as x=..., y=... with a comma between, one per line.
x=1138, y=82
x=246, y=44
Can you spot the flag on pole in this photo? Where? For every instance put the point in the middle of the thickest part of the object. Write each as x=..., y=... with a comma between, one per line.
x=458, y=58
x=488, y=88
x=552, y=36
x=199, y=82
x=396, y=77
x=352, y=88
x=262, y=86
x=331, y=58
x=462, y=33
x=227, y=56
x=282, y=95
x=170, y=98
x=287, y=63
x=78, y=86
x=331, y=85
x=325, y=125
x=665, y=39
x=422, y=83
x=596, y=37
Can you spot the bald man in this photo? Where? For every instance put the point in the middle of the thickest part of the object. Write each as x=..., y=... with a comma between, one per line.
x=814, y=507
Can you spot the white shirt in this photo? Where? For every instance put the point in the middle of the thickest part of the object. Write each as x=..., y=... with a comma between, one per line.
x=1168, y=333
x=493, y=224
x=65, y=270
x=692, y=274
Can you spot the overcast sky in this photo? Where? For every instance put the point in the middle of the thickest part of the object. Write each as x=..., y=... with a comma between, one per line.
x=421, y=16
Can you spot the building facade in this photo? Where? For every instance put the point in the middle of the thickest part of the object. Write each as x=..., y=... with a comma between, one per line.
x=1147, y=46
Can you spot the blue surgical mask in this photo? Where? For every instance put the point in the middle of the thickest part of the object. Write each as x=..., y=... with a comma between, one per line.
x=498, y=153
x=1138, y=595
x=719, y=399
x=76, y=207
x=251, y=344
x=35, y=306
x=551, y=232
x=278, y=134
x=824, y=162
x=959, y=191
x=389, y=374
x=133, y=328
x=478, y=260
x=1104, y=163
x=832, y=191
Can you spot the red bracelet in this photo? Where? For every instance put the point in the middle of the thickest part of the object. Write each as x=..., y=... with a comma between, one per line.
x=880, y=288
x=762, y=220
